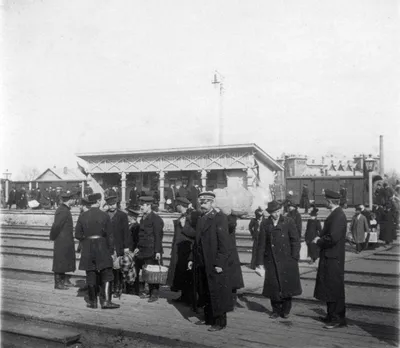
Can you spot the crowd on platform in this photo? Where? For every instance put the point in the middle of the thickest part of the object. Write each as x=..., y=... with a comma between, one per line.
x=119, y=248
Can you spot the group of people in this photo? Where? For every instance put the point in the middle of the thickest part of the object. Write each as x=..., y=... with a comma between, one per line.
x=50, y=198
x=205, y=265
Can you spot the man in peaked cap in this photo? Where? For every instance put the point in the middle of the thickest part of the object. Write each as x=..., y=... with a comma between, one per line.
x=329, y=285
x=304, y=199
x=279, y=253
x=148, y=247
x=122, y=239
x=64, y=246
x=210, y=256
x=94, y=231
x=179, y=277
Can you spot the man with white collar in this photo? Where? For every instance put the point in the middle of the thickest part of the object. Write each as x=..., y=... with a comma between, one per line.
x=211, y=256
x=329, y=285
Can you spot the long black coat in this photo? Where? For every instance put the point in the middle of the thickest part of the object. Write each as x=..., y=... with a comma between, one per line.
x=121, y=233
x=304, y=199
x=313, y=230
x=178, y=275
x=329, y=285
x=150, y=236
x=12, y=197
x=62, y=233
x=235, y=269
x=279, y=252
x=295, y=215
x=96, y=253
x=254, y=228
x=212, y=249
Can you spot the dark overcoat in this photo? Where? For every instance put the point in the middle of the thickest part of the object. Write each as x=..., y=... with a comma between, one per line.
x=279, y=252
x=134, y=228
x=235, y=268
x=254, y=228
x=313, y=230
x=122, y=235
x=212, y=249
x=178, y=274
x=150, y=236
x=295, y=215
x=329, y=285
x=62, y=233
x=95, y=253
x=12, y=197
x=304, y=199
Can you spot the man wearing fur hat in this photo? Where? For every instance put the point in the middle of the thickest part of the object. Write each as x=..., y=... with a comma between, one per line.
x=62, y=233
x=122, y=239
x=94, y=231
x=211, y=254
x=279, y=253
x=329, y=284
x=148, y=249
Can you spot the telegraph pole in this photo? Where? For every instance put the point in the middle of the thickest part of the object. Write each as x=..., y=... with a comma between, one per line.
x=219, y=80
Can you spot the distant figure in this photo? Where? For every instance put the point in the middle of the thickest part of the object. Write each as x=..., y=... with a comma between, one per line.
x=313, y=230
x=359, y=227
x=133, y=198
x=183, y=191
x=254, y=228
x=295, y=215
x=12, y=198
x=193, y=195
x=287, y=201
x=53, y=197
x=343, y=196
x=171, y=195
x=305, y=200
x=62, y=233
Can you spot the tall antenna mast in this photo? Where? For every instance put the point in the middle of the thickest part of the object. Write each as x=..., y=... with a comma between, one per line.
x=219, y=80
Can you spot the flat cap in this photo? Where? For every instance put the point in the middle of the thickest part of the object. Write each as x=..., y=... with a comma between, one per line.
x=146, y=199
x=182, y=201
x=94, y=197
x=330, y=194
x=132, y=212
x=111, y=200
x=67, y=194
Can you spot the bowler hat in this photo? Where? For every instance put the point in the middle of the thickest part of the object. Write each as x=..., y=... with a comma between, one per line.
x=314, y=211
x=273, y=206
x=132, y=212
x=94, y=197
x=330, y=194
x=66, y=195
x=182, y=201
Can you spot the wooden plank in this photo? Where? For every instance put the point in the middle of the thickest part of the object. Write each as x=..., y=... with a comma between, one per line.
x=39, y=330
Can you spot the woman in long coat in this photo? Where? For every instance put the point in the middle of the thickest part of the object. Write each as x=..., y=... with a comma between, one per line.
x=62, y=233
x=279, y=252
x=254, y=228
x=313, y=230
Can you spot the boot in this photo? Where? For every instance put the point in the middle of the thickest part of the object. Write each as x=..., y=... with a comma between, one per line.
x=92, y=293
x=106, y=290
x=66, y=280
x=58, y=282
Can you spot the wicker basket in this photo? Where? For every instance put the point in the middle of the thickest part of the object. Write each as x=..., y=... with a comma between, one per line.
x=155, y=274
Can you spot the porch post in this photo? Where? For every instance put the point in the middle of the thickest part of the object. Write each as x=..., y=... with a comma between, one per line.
x=37, y=184
x=83, y=189
x=250, y=177
x=161, y=190
x=30, y=186
x=204, y=179
x=123, y=189
x=7, y=188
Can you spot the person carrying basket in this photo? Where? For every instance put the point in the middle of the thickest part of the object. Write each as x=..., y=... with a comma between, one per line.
x=148, y=246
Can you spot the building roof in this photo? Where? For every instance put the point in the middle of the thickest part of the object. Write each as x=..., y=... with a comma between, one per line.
x=61, y=174
x=259, y=153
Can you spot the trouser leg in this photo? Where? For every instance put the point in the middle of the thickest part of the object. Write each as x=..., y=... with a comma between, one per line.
x=107, y=277
x=276, y=306
x=91, y=282
x=59, y=281
x=286, y=305
x=336, y=310
x=117, y=288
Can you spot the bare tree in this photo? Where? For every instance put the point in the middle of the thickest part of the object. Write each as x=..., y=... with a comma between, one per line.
x=392, y=177
x=29, y=173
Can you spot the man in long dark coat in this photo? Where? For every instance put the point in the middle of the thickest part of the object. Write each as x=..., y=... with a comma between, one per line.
x=179, y=277
x=304, y=199
x=329, y=285
x=148, y=249
x=94, y=231
x=211, y=258
x=62, y=233
x=234, y=261
x=12, y=198
x=133, y=198
x=122, y=239
x=279, y=253
x=296, y=217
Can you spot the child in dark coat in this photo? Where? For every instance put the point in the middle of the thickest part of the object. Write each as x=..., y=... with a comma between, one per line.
x=313, y=230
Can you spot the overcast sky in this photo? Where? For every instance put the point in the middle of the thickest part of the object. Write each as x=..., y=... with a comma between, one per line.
x=300, y=77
